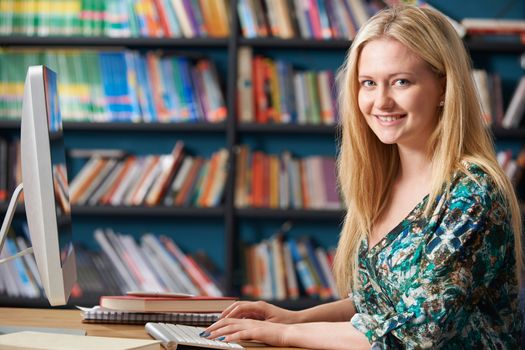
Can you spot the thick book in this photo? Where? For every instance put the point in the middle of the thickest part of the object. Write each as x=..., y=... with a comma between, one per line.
x=99, y=314
x=166, y=304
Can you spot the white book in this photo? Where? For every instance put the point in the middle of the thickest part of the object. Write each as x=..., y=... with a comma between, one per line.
x=151, y=173
x=359, y=11
x=140, y=174
x=127, y=182
x=514, y=113
x=184, y=21
x=149, y=281
x=301, y=6
x=163, y=274
x=481, y=81
x=179, y=180
x=166, y=167
x=171, y=264
x=109, y=181
x=344, y=19
x=300, y=97
x=203, y=281
x=112, y=255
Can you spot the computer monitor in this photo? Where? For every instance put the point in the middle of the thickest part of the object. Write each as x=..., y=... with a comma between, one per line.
x=45, y=185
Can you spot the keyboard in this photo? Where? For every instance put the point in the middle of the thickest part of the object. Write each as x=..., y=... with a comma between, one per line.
x=181, y=337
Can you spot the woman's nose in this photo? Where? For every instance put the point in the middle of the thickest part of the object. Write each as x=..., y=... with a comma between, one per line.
x=383, y=98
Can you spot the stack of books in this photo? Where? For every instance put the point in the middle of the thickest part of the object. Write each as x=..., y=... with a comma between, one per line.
x=143, y=307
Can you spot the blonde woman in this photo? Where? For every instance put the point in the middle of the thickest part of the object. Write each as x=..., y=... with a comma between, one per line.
x=430, y=252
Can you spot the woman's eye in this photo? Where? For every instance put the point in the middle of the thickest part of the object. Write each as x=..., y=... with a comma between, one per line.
x=401, y=82
x=367, y=83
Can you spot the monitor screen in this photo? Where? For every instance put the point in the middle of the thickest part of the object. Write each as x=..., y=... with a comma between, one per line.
x=46, y=192
x=58, y=162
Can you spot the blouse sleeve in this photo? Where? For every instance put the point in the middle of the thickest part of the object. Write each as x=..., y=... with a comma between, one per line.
x=464, y=251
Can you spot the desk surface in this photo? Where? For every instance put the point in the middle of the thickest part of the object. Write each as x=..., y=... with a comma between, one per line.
x=71, y=319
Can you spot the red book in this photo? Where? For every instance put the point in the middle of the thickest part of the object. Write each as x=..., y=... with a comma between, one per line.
x=166, y=304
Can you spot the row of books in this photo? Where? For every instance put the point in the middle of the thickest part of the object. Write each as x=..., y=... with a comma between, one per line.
x=19, y=278
x=116, y=18
x=156, y=263
x=308, y=19
x=272, y=91
x=175, y=179
x=284, y=181
x=118, y=86
x=121, y=265
x=282, y=268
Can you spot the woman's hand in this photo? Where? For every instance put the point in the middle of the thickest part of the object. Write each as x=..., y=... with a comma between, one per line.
x=259, y=310
x=235, y=330
x=316, y=335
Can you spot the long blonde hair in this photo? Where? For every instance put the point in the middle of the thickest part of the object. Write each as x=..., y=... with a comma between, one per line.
x=367, y=167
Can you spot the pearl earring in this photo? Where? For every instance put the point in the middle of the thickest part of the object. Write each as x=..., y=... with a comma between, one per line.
x=441, y=103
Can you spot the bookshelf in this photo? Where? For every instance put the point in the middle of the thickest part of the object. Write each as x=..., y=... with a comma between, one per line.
x=232, y=221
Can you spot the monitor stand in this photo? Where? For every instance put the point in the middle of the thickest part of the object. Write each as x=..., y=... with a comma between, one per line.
x=3, y=234
x=7, y=223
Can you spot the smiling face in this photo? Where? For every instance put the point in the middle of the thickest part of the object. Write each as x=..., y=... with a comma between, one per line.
x=399, y=94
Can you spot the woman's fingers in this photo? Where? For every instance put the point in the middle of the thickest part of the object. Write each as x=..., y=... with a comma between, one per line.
x=234, y=329
x=246, y=310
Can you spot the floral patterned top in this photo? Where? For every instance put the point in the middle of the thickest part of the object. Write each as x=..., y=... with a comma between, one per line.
x=447, y=281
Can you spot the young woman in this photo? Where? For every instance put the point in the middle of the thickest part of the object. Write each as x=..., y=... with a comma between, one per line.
x=430, y=251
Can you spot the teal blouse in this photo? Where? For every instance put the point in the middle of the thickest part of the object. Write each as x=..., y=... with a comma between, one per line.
x=445, y=281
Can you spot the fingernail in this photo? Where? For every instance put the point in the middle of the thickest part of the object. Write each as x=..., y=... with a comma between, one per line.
x=204, y=334
x=221, y=338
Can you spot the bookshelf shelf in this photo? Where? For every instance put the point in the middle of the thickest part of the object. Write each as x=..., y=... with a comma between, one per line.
x=491, y=46
x=86, y=41
x=509, y=133
x=473, y=44
x=302, y=214
x=122, y=126
x=287, y=129
x=136, y=211
x=338, y=44
x=142, y=211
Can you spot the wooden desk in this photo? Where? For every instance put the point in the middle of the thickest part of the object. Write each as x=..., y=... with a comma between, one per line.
x=71, y=319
